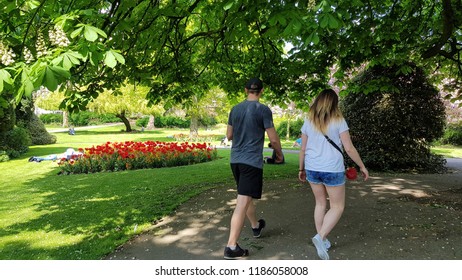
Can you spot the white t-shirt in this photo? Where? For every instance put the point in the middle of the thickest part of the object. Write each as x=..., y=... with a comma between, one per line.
x=320, y=155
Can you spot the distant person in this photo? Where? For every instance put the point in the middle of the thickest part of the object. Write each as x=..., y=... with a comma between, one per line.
x=322, y=165
x=71, y=131
x=224, y=141
x=247, y=124
x=298, y=142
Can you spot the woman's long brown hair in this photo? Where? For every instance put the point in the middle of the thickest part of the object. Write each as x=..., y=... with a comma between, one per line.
x=324, y=110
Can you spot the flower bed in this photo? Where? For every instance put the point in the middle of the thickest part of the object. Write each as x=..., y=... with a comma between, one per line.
x=131, y=155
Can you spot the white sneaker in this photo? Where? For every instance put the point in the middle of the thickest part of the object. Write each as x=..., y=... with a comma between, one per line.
x=327, y=244
x=320, y=247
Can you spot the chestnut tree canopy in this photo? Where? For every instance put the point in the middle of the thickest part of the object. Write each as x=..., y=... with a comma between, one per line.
x=178, y=48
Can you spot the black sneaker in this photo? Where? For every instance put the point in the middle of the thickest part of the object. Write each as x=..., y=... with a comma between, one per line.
x=257, y=231
x=235, y=254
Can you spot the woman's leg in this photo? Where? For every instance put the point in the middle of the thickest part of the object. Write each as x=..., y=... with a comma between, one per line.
x=337, y=205
x=320, y=196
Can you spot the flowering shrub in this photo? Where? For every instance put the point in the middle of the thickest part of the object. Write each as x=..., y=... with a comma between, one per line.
x=131, y=155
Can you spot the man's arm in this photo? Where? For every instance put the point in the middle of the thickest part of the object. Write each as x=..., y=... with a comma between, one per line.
x=229, y=133
x=275, y=143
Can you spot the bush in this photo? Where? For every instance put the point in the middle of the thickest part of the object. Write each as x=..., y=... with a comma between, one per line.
x=208, y=121
x=51, y=118
x=143, y=122
x=392, y=128
x=107, y=118
x=85, y=118
x=170, y=121
x=15, y=142
x=452, y=135
x=294, y=129
x=3, y=156
x=38, y=133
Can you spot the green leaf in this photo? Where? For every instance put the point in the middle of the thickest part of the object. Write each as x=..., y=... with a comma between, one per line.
x=76, y=32
x=228, y=5
x=272, y=21
x=100, y=32
x=313, y=38
x=62, y=72
x=51, y=82
x=28, y=87
x=69, y=59
x=119, y=57
x=333, y=23
x=281, y=19
x=6, y=76
x=33, y=4
x=110, y=60
x=324, y=21
x=90, y=34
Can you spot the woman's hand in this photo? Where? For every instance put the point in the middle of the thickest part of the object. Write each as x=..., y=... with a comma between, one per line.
x=364, y=172
x=302, y=176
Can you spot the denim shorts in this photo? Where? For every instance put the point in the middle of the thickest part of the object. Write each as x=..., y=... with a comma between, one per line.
x=329, y=179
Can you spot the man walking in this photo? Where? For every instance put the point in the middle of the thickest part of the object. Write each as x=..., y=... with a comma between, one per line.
x=247, y=124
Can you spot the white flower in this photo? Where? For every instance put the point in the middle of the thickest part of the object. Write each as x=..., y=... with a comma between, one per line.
x=6, y=55
x=28, y=57
x=40, y=46
x=58, y=37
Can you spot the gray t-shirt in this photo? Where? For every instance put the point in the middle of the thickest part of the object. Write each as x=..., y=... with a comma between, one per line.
x=249, y=120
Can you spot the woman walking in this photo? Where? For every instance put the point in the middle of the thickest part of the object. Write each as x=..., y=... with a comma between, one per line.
x=322, y=165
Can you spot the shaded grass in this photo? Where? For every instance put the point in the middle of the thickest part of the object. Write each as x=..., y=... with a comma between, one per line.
x=46, y=216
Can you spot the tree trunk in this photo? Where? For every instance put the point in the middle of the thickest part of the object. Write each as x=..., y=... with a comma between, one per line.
x=65, y=119
x=288, y=130
x=128, y=127
x=151, y=124
x=194, y=127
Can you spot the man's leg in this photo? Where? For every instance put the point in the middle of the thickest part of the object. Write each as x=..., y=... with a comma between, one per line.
x=251, y=214
x=237, y=220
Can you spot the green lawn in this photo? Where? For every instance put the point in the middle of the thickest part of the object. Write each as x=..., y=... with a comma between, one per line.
x=448, y=151
x=46, y=216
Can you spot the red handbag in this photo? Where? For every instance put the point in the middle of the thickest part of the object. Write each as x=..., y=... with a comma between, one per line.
x=351, y=173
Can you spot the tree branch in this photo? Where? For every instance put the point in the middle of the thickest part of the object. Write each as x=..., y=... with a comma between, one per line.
x=448, y=28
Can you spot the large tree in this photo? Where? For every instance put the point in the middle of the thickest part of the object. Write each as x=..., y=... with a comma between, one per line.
x=124, y=102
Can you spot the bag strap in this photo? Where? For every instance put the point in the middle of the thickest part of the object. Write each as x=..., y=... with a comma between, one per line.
x=333, y=144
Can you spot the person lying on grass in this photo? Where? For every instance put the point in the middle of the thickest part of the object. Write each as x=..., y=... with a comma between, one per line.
x=67, y=155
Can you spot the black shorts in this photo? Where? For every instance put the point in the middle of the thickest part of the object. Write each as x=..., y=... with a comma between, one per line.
x=249, y=179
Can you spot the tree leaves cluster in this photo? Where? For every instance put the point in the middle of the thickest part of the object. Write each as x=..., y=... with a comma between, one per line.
x=177, y=48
